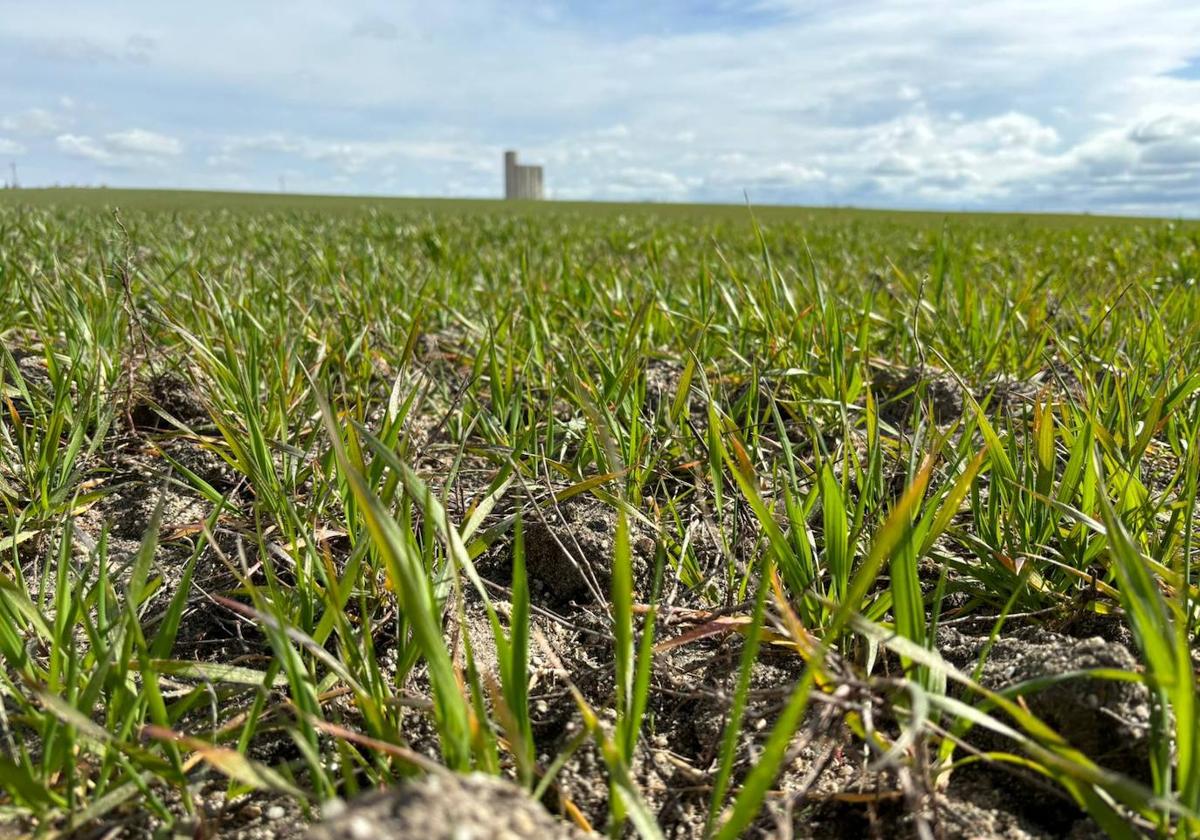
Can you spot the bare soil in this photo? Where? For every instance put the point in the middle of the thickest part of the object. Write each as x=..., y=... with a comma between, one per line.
x=829, y=788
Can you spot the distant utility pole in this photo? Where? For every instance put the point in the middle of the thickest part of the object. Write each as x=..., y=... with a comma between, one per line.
x=13, y=166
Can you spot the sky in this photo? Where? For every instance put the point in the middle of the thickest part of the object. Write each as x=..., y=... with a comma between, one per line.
x=1017, y=105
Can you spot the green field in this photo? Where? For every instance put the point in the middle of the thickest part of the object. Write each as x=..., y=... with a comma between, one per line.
x=691, y=521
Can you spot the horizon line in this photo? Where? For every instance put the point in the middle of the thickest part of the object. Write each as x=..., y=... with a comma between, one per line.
x=749, y=204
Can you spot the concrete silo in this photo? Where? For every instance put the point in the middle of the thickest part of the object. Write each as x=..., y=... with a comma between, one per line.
x=520, y=181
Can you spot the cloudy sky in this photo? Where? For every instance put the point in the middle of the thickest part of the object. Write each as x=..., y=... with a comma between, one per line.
x=1022, y=104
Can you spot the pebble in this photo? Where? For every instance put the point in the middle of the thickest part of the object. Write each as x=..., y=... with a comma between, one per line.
x=522, y=824
x=276, y=812
x=337, y=807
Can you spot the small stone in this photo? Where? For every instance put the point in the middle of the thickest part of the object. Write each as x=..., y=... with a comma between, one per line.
x=359, y=828
x=276, y=812
x=333, y=808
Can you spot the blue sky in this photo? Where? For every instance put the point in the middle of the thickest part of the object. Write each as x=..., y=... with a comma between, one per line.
x=1064, y=106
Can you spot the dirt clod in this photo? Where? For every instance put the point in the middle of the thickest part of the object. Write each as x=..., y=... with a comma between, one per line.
x=898, y=389
x=572, y=551
x=443, y=806
x=1108, y=720
x=172, y=394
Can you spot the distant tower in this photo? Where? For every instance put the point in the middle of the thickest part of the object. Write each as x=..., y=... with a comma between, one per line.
x=510, y=175
x=522, y=182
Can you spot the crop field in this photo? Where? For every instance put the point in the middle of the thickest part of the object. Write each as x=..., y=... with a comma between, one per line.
x=689, y=522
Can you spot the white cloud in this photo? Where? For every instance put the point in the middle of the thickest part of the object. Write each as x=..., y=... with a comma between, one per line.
x=614, y=132
x=1014, y=130
x=1162, y=128
x=1103, y=155
x=82, y=146
x=638, y=180
x=1171, y=141
x=223, y=161
x=33, y=121
x=1175, y=153
x=10, y=147
x=132, y=148
x=84, y=48
x=955, y=158
x=138, y=141
x=894, y=164
x=350, y=157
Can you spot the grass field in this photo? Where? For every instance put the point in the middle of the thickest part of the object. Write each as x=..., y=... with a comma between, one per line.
x=690, y=521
